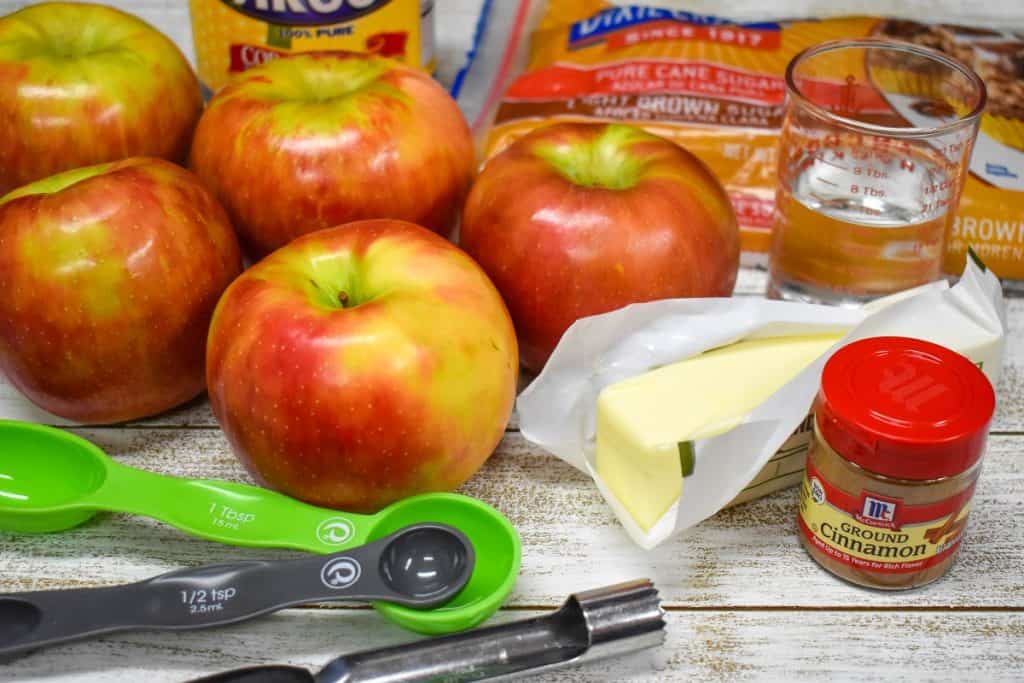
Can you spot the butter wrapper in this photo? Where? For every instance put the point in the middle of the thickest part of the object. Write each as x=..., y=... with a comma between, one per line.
x=765, y=449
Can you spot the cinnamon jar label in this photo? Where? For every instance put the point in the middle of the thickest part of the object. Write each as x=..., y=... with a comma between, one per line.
x=878, y=533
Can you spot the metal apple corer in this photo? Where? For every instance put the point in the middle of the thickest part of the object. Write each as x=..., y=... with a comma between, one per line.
x=591, y=625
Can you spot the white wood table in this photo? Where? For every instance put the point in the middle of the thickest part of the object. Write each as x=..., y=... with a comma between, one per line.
x=743, y=600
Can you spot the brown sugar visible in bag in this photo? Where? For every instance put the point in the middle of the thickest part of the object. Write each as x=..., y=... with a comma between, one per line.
x=716, y=87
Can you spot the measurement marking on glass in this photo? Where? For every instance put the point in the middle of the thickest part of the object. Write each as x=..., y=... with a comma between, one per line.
x=870, y=172
x=832, y=163
x=864, y=200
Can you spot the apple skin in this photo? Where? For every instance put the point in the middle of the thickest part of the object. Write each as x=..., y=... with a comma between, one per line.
x=314, y=140
x=83, y=84
x=108, y=279
x=406, y=388
x=577, y=219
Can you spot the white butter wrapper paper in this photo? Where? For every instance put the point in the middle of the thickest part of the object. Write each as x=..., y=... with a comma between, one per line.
x=558, y=410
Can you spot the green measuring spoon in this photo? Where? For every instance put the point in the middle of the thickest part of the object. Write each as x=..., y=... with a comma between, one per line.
x=52, y=480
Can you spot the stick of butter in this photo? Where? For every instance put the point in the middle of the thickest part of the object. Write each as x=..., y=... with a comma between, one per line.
x=646, y=424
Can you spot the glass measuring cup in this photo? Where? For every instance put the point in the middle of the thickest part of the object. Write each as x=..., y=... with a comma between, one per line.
x=52, y=480
x=875, y=146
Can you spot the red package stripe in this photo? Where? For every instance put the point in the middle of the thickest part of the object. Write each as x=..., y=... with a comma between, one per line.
x=844, y=97
x=753, y=211
x=247, y=56
x=695, y=78
x=387, y=44
x=647, y=76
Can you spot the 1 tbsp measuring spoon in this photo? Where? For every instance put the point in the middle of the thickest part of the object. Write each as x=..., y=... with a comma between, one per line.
x=52, y=480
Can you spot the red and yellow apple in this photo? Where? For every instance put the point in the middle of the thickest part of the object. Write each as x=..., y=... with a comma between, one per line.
x=109, y=275
x=362, y=364
x=82, y=84
x=311, y=141
x=577, y=219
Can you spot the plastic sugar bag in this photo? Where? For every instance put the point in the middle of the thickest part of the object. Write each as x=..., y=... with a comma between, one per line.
x=715, y=85
x=704, y=402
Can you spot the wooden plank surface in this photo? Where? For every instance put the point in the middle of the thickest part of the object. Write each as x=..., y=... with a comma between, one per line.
x=745, y=557
x=719, y=645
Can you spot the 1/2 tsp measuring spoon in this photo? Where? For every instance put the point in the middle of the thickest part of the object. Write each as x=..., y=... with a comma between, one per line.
x=420, y=566
x=51, y=480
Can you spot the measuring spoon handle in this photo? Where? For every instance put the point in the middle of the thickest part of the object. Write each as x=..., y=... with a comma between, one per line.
x=232, y=513
x=213, y=595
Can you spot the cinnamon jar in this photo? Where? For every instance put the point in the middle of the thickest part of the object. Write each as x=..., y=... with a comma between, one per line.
x=900, y=430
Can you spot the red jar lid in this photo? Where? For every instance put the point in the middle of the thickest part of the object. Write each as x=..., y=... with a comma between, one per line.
x=905, y=408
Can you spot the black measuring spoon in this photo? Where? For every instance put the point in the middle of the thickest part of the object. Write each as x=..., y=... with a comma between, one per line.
x=420, y=566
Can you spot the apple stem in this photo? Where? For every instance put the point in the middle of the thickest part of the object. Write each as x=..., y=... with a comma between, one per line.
x=343, y=298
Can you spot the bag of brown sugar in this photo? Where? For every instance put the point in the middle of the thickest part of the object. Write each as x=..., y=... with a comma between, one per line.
x=716, y=87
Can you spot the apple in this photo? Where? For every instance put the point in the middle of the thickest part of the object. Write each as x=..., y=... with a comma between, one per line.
x=109, y=275
x=362, y=364
x=313, y=140
x=82, y=84
x=577, y=219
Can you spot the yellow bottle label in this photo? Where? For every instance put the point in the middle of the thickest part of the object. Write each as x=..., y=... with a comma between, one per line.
x=234, y=35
